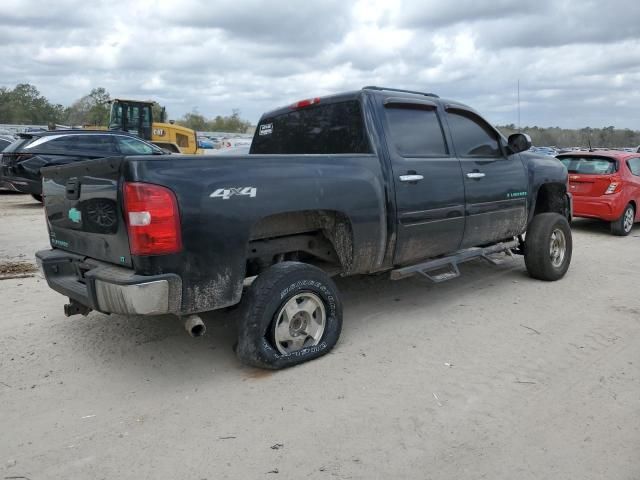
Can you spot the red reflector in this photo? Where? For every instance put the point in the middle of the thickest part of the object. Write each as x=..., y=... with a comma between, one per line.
x=153, y=219
x=305, y=103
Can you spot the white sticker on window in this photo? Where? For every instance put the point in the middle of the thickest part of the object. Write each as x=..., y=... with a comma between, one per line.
x=266, y=129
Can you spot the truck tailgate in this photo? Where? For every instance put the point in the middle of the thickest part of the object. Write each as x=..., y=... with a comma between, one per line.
x=84, y=214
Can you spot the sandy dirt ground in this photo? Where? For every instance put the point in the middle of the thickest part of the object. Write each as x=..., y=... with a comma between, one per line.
x=493, y=375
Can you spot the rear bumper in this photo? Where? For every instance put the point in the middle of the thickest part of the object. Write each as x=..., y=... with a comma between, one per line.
x=609, y=207
x=108, y=288
x=20, y=184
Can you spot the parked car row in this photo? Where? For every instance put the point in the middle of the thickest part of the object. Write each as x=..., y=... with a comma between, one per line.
x=212, y=142
x=22, y=160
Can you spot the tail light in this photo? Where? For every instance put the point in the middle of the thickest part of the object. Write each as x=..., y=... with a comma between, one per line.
x=613, y=187
x=13, y=158
x=305, y=103
x=153, y=219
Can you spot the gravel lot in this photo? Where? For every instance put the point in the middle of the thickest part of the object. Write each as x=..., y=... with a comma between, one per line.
x=492, y=375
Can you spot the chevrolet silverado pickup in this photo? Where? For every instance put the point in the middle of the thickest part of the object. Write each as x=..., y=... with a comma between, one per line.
x=364, y=182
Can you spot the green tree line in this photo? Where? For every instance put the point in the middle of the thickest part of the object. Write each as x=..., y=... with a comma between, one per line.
x=219, y=123
x=25, y=105
x=607, y=137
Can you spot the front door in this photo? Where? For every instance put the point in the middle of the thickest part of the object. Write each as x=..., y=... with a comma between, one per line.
x=496, y=184
x=428, y=181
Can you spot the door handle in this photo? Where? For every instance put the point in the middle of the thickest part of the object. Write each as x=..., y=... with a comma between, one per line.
x=411, y=178
x=475, y=175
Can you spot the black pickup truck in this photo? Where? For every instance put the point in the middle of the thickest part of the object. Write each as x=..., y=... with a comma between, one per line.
x=376, y=180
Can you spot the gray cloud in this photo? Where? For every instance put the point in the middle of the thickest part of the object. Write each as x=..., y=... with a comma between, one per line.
x=436, y=14
x=578, y=62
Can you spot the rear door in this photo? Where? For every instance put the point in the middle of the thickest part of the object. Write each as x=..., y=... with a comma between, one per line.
x=496, y=184
x=428, y=181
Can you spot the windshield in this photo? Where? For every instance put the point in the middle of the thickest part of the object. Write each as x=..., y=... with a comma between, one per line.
x=130, y=117
x=590, y=165
x=115, y=121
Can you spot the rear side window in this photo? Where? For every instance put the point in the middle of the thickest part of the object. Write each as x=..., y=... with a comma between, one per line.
x=67, y=142
x=98, y=143
x=132, y=146
x=415, y=131
x=4, y=144
x=590, y=165
x=472, y=137
x=634, y=166
x=324, y=129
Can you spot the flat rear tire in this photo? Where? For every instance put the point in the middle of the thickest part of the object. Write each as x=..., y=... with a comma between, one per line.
x=291, y=314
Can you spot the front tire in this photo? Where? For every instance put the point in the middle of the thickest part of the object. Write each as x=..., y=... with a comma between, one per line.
x=623, y=226
x=292, y=314
x=548, y=247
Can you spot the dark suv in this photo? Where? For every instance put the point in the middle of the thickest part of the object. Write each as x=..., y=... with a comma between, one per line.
x=21, y=161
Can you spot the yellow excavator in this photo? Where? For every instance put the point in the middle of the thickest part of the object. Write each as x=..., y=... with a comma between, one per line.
x=136, y=117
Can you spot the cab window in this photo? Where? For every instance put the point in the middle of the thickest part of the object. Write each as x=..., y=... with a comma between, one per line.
x=323, y=129
x=473, y=137
x=415, y=131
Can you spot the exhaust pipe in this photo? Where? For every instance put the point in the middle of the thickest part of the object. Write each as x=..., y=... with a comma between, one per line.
x=194, y=325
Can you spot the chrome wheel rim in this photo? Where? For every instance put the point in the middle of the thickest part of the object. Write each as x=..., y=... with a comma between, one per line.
x=300, y=323
x=557, y=247
x=628, y=219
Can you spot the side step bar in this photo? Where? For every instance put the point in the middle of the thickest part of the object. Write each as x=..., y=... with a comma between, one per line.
x=448, y=266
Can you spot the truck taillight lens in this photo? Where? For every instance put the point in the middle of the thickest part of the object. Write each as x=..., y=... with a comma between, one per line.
x=612, y=188
x=153, y=219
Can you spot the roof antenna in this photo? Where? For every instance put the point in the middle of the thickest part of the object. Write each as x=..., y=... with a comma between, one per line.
x=519, y=129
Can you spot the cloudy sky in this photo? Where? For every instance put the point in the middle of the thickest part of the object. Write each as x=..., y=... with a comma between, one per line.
x=578, y=61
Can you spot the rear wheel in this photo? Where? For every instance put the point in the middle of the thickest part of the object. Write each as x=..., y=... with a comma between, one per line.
x=623, y=226
x=548, y=247
x=37, y=197
x=292, y=313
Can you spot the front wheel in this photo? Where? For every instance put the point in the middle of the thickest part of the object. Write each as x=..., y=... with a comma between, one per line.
x=623, y=226
x=292, y=313
x=548, y=247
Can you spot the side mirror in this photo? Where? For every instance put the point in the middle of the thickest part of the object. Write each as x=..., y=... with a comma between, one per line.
x=519, y=142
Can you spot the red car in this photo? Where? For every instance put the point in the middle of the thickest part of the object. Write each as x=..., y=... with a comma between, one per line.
x=605, y=184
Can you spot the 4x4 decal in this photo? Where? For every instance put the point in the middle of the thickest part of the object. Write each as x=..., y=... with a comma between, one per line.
x=227, y=193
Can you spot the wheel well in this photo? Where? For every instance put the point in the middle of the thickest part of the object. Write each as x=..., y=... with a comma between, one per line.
x=551, y=198
x=321, y=237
